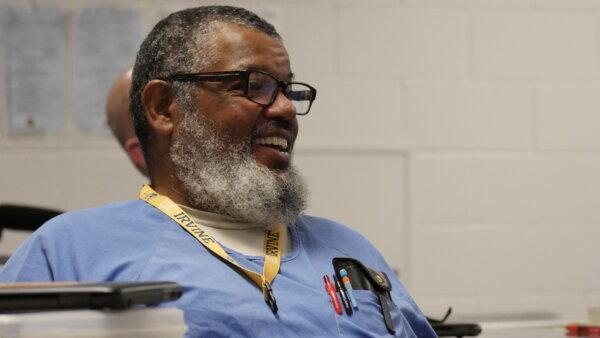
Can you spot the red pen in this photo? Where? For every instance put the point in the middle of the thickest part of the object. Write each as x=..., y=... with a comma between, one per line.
x=331, y=291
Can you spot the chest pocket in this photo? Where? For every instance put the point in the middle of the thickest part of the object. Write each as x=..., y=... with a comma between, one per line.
x=375, y=312
x=367, y=319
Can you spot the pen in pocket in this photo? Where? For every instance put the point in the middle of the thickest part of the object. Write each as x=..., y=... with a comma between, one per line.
x=332, y=295
x=348, y=287
x=343, y=295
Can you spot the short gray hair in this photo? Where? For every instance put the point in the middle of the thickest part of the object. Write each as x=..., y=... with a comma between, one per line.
x=180, y=43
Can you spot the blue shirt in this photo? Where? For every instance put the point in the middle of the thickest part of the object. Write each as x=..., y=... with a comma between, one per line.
x=133, y=241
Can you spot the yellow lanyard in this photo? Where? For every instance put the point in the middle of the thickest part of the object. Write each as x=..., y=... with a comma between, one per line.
x=272, y=244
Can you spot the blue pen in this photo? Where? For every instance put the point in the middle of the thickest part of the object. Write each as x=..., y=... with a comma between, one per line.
x=348, y=287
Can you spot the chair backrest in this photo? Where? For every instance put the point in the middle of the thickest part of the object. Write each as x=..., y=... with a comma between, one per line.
x=27, y=218
x=22, y=217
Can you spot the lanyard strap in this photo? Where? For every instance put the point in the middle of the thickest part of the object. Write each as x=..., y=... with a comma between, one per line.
x=272, y=243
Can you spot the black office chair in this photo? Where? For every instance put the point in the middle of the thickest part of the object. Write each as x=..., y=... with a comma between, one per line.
x=25, y=218
x=459, y=330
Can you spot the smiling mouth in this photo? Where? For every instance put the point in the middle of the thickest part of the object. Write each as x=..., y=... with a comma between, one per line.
x=277, y=143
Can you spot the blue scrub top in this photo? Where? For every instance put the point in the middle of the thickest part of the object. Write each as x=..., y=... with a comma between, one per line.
x=133, y=241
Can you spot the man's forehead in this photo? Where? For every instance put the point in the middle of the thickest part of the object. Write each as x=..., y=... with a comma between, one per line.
x=240, y=47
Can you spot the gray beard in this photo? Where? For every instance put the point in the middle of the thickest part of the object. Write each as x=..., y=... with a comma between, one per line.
x=229, y=181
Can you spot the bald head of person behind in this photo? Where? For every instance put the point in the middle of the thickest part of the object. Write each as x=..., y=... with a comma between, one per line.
x=119, y=120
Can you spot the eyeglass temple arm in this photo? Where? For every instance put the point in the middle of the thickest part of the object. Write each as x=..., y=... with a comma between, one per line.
x=203, y=76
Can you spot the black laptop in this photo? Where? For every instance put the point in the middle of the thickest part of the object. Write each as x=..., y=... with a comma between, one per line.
x=85, y=295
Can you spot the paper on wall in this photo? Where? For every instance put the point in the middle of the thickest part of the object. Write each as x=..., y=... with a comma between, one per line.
x=106, y=41
x=35, y=68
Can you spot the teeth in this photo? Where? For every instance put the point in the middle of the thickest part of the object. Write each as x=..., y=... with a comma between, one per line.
x=278, y=142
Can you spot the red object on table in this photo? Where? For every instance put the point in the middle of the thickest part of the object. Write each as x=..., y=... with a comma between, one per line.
x=582, y=330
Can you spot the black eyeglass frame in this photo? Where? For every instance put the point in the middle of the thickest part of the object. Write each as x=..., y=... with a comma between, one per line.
x=243, y=75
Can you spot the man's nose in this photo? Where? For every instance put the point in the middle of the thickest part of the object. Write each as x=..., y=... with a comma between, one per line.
x=281, y=108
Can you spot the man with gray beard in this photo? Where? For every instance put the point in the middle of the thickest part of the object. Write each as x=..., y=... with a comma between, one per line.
x=215, y=105
x=229, y=181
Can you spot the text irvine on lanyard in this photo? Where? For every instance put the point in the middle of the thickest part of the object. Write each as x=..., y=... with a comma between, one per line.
x=271, y=247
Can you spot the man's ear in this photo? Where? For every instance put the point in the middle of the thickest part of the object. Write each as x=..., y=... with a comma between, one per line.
x=156, y=100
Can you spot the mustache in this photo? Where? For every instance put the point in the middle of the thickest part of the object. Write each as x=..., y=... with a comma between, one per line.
x=272, y=125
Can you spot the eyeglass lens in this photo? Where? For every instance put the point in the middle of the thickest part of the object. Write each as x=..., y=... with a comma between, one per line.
x=263, y=88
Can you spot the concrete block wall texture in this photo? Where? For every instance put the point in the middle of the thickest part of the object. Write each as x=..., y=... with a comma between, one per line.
x=460, y=136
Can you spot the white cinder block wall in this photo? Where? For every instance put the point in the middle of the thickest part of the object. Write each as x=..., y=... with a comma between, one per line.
x=461, y=136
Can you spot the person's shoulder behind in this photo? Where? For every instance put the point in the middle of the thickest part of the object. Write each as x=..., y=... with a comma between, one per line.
x=102, y=216
x=123, y=226
x=89, y=244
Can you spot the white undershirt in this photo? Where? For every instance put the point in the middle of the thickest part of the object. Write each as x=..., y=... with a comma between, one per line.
x=245, y=238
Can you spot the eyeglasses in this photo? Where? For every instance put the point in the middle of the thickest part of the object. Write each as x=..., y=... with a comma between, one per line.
x=258, y=86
